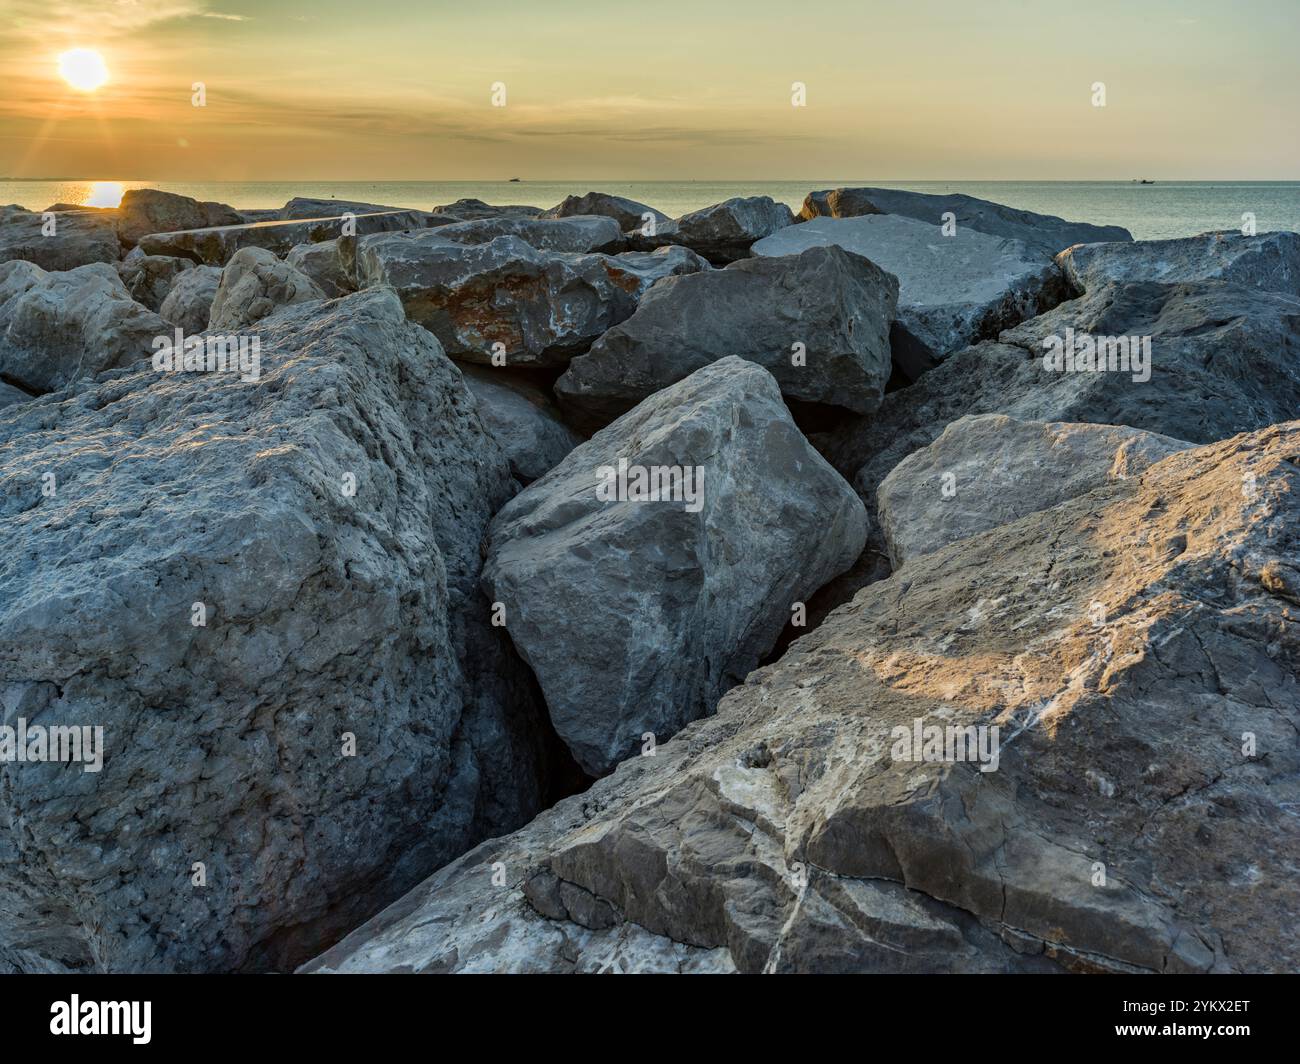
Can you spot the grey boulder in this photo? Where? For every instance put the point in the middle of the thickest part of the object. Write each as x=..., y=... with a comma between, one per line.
x=817, y=321
x=952, y=290
x=726, y=231
x=60, y=326
x=576, y=234
x=533, y=308
x=1269, y=262
x=987, y=470
x=466, y=210
x=266, y=595
x=149, y=277
x=253, y=284
x=1122, y=643
x=522, y=419
x=637, y=610
x=63, y=241
x=150, y=210
x=1044, y=233
x=630, y=215
x=188, y=305
x=331, y=264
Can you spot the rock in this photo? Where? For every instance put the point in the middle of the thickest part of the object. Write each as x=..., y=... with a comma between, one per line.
x=149, y=277
x=1269, y=262
x=331, y=617
x=465, y=210
x=214, y=247
x=150, y=210
x=331, y=264
x=260, y=214
x=571, y=234
x=188, y=305
x=726, y=231
x=988, y=470
x=522, y=419
x=636, y=614
x=630, y=215
x=837, y=304
x=1044, y=233
x=253, y=284
x=952, y=291
x=10, y=395
x=58, y=327
x=1224, y=360
x=1122, y=643
x=76, y=239
x=302, y=208
x=543, y=307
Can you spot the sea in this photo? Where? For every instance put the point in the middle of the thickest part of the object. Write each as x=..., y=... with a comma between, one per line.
x=1153, y=211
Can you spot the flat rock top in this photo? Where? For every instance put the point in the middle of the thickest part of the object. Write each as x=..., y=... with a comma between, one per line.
x=932, y=269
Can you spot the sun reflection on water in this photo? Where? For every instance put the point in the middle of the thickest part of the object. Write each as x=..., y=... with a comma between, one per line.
x=103, y=194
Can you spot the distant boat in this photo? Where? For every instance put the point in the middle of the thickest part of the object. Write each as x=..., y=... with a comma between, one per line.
x=1144, y=181
x=514, y=179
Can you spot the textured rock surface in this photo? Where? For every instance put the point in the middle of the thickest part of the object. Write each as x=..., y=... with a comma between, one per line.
x=989, y=470
x=150, y=210
x=522, y=419
x=78, y=238
x=573, y=234
x=1123, y=642
x=10, y=395
x=636, y=615
x=189, y=303
x=253, y=284
x=726, y=231
x=214, y=247
x=543, y=307
x=306, y=207
x=331, y=264
x=149, y=277
x=1269, y=262
x=328, y=614
x=57, y=327
x=837, y=305
x=630, y=215
x=1043, y=233
x=470, y=209
x=952, y=291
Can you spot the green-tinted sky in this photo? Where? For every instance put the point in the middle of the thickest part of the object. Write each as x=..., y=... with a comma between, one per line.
x=658, y=89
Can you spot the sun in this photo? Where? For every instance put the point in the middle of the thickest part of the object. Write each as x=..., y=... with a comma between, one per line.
x=83, y=68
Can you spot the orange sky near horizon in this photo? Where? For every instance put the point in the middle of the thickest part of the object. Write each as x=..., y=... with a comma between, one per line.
x=403, y=90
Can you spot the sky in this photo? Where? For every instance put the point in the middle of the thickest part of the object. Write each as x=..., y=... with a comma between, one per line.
x=402, y=90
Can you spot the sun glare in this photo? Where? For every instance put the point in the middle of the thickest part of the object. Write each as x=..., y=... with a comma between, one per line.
x=83, y=68
x=104, y=194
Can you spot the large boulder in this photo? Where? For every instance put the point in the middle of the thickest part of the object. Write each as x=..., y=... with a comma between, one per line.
x=60, y=326
x=266, y=596
x=214, y=247
x=541, y=307
x=466, y=210
x=726, y=231
x=1137, y=651
x=150, y=277
x=150, y=210
x=331, y=264
x=952, y=290
x=61, y=240
x=253, y=284
x=1269, y=262
x=987, y=470
x=630, y=215
x=639, y=604
x=188, y=305
x=1044, y=233
x=818, y=321
x=520, y=416
x=576, y=234
x=302, y=208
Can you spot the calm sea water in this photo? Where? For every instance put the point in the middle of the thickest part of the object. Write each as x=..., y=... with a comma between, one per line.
x=1150, y=212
